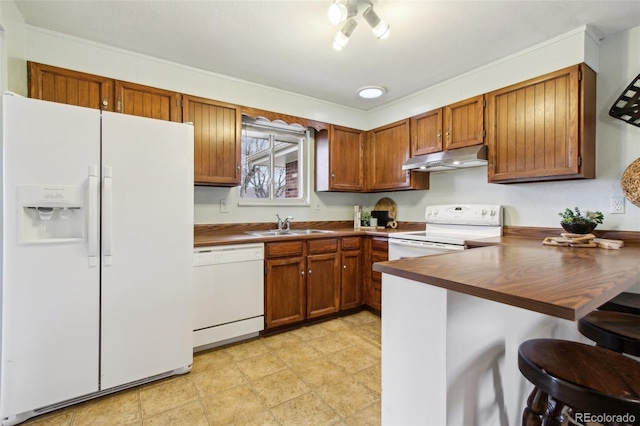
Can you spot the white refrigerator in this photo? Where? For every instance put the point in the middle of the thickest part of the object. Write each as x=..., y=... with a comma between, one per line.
x=97, y=243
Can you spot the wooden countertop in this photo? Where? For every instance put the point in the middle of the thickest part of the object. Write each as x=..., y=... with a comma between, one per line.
x=210, y=235
x=563, y=282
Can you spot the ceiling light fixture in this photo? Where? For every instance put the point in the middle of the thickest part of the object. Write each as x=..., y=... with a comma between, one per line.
x=341, y=11
x=341, y=38
x=338, y=12
x=371, y=92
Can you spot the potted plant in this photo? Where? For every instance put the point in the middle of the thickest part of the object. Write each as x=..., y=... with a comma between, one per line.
x=573, y=221
x=365, y=216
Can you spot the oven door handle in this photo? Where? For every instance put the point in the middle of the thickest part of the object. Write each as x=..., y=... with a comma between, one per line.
x=419, y=244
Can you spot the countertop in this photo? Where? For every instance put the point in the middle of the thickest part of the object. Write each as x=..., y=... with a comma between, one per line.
x=563, y=282
x=240, y=235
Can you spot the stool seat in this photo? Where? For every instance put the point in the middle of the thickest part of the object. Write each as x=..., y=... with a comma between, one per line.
x=616, y=331
x=585, y=378
x=624, y=302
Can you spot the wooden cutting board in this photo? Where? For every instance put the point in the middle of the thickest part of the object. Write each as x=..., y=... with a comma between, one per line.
x=389, y=205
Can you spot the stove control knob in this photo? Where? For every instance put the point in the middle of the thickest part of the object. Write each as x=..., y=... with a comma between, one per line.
x=493, y=212
x=483, y=212
x=435, y=212
x=429, y=212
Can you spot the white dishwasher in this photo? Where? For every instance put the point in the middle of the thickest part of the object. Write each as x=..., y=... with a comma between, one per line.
x=228, y=294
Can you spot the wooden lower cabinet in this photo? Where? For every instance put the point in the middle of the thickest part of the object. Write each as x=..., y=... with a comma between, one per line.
x=351, y=274
x=323, y=284
x=377, y=251
x=285, y=288
x=308, y=279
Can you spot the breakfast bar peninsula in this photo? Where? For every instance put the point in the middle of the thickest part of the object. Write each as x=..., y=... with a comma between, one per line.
x=452, y=323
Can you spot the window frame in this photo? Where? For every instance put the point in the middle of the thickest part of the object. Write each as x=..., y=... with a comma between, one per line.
x=304, y=169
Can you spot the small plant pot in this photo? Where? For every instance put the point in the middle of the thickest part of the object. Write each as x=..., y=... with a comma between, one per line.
x=579, y=228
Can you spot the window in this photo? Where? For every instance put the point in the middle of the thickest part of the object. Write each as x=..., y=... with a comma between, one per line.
x=274, y=163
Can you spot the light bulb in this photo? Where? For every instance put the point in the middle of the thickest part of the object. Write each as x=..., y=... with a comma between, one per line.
x=341, y=38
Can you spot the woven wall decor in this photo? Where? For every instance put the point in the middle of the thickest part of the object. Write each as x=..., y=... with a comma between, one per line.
x=630, y=182
x=627, y=106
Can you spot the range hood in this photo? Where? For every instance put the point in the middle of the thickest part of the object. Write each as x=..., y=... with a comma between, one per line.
x=453, y=159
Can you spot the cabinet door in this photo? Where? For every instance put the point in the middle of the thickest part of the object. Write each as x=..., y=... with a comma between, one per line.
x=340, y=159
x=323, y=284
x=69, y=87
x=351, y=279
x=145, y=101
x=544, y=128
x=285, y=292
x=426, y=132
x=464, y=123
x=389, y=149
x=217, y=131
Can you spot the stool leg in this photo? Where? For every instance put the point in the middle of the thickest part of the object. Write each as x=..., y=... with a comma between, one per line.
x=555, y=415
x=534, y=412
x=542, y=410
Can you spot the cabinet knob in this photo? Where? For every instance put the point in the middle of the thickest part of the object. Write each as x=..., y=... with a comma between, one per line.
x=344, y=266
x=309, y=271
x=105, y=103
x=333, y=175
x=302, y=272
x=447, y=133
x=439, y=135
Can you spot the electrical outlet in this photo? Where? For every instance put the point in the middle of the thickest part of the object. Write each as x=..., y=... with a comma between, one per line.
x=616, y=205
x=224, y=206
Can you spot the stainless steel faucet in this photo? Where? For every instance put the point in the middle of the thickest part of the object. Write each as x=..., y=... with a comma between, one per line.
x=284, y=225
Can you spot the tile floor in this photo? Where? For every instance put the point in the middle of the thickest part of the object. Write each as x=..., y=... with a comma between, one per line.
x=324, y=374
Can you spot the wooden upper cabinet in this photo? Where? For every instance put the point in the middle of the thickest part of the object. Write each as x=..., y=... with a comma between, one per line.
x=339, y=159
x=388, y=147
x=69, y=87
x=217, y=138
x=543, y=128
x=145, y=101
x=426, y=132
x=463, y=123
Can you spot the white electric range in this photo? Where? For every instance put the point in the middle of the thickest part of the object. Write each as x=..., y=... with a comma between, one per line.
x=448, y=227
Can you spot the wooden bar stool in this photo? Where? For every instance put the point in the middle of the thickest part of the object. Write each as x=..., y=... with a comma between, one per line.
x=616, y=331
x=574, y=378
x=624, y=302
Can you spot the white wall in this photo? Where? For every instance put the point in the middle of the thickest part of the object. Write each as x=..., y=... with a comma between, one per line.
x=533, y=204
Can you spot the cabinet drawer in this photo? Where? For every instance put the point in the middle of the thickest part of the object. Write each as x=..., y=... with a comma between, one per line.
x=325, y=245
x=285, y=248
x=380, y=243
x=351, y=243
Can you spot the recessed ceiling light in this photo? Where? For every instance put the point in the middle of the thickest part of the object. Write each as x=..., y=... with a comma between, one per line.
x=370, y=92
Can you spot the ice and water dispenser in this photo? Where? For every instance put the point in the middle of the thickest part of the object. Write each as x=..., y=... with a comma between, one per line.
x=51, y=213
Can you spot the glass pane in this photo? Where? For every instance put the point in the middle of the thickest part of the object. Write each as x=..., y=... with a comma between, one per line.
x=255, y=160
x=286, y=177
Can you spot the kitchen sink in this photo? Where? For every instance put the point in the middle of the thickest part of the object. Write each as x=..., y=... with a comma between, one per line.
x=275, y=232
x=311, y=231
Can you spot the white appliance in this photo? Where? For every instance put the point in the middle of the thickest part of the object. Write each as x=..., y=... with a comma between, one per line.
x=228, y=294
x=97, y=236
x=447, y=228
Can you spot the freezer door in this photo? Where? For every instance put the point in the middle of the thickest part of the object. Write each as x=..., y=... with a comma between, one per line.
x=147, y=248
x=50, y=292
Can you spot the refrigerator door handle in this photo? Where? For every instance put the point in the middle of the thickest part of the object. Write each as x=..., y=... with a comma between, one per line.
x=92, y=216
x=107, y=216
